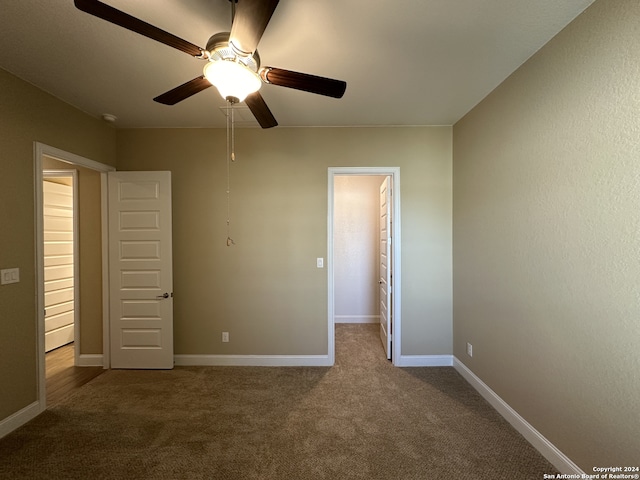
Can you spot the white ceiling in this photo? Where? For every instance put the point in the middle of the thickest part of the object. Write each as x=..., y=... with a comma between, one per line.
x=409, y=62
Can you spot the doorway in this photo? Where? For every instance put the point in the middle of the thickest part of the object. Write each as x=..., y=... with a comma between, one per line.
x=360, y=254
x=357, y=241
x=88, y=334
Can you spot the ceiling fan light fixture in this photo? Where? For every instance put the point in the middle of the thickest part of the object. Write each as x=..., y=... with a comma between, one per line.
x=232, y=79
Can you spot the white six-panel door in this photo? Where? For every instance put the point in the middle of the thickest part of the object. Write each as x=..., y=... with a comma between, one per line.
x=385, y=266
x=140, y=264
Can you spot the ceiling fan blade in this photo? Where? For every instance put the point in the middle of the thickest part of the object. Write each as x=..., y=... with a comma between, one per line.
x=117, y=17
x=303, y=81
x=250, y=21
x=260, y=110
x=183, y=91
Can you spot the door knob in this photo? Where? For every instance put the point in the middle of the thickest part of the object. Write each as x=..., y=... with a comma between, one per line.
x=164, y=295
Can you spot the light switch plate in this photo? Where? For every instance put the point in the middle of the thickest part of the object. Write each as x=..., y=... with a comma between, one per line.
x=9, y=275
x=320, y=262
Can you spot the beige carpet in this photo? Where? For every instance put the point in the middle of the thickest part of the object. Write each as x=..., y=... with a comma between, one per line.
x=361, y=419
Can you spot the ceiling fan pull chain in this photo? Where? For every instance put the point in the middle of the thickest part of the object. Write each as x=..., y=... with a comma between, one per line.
x=233, y=133
x=229, y=154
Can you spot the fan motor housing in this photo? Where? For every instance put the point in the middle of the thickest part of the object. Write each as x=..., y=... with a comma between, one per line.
x=219, y=49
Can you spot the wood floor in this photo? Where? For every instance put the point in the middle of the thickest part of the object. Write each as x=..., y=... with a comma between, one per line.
x=62, y=376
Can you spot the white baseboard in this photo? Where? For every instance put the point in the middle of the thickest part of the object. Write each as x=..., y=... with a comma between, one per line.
x=535, y=438
x=19, y=418
x=425, y=361
x=356, y=318
x=90, y=360
x=253, y=360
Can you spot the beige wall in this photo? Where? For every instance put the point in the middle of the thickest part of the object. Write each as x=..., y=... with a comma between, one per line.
x=356, y=234
x=28, y=115
x=546, y=235
x=266, y=290
x=89, y=317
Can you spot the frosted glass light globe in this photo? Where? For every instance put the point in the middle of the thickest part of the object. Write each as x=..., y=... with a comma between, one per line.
x=232, y=79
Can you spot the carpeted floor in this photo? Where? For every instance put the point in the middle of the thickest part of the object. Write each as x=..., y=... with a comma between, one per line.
x=361, y=419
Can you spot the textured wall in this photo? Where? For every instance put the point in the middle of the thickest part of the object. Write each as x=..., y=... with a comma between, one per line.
x=266, y=290
x=355, y=256
x=28, y=115
x=546, y=238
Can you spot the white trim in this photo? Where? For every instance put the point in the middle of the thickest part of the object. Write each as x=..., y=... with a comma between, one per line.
x=90, y=360
x=72, y=158
x=106, y=331
x=39, y=262
x=535, y=438
x=394, y=173
x=253, y=360
x=356, y=318
x=331, y=330
x=39, y=151
x=21, y=417
x=425, y=361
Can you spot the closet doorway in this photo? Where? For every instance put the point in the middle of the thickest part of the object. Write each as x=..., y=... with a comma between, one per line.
x=57, y=291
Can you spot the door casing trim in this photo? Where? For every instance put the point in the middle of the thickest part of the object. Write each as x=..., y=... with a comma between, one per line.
x=396, y=311
x=41, y=150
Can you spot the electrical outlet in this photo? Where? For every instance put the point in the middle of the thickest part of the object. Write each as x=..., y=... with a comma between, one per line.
x=225, y=337
x=469, y=349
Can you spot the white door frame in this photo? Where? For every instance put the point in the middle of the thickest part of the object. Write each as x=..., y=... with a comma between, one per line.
x=394, y=173
x=41, y=150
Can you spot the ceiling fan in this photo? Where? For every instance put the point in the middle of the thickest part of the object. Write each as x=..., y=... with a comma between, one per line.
x=233, y=62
